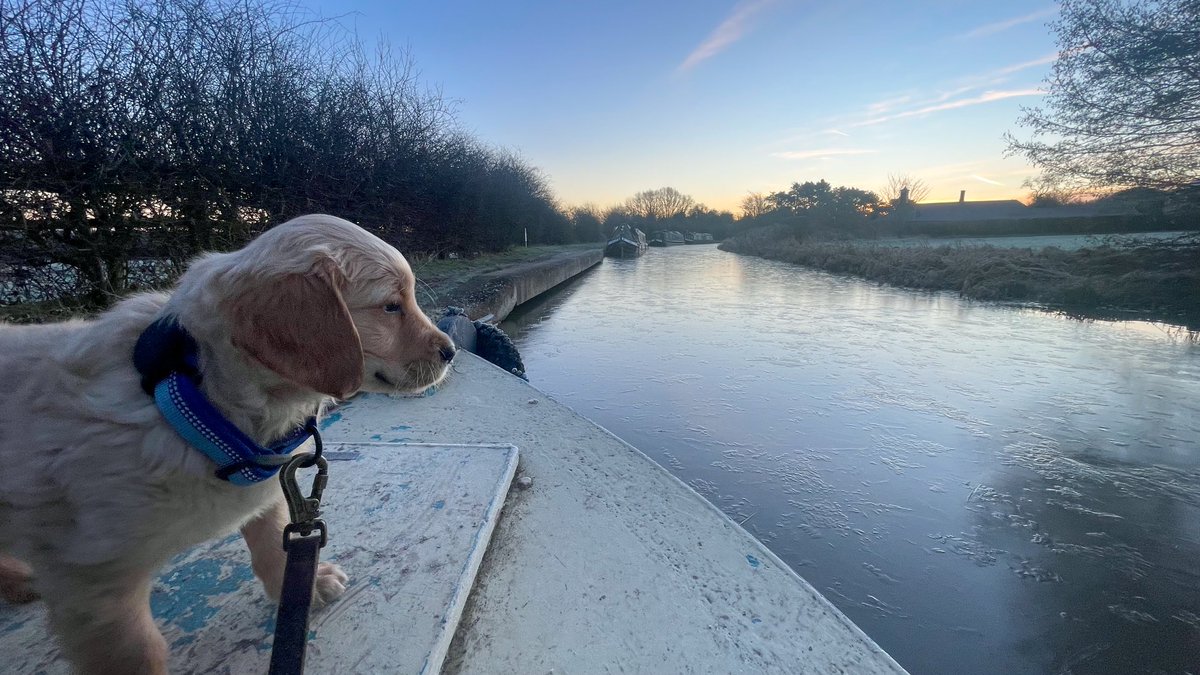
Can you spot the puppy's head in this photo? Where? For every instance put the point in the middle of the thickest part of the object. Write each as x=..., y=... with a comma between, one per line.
x=330, y=307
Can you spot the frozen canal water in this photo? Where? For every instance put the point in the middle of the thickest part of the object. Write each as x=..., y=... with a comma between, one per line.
x=982, y=489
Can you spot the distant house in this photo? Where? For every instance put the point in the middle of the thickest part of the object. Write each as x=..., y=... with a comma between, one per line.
x=998, y=209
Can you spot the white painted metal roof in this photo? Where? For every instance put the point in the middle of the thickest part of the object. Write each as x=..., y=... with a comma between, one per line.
x=607, y=563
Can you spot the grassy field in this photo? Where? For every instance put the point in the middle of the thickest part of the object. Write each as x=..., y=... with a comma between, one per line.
x=1066, y=242
x=1158, y=281
x=441, y=282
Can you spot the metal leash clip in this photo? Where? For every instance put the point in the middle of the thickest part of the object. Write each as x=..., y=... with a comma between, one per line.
x=305, y=512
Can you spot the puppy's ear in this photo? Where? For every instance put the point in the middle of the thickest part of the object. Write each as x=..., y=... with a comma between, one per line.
x=298, y=326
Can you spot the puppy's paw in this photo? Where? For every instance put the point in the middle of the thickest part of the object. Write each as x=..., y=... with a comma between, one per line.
x=16, y=581
x=329, y=585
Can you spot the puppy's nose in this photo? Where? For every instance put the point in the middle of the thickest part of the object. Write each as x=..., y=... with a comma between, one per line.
x=447, y=353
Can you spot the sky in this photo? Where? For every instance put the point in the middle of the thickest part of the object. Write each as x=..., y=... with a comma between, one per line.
x=719, y=99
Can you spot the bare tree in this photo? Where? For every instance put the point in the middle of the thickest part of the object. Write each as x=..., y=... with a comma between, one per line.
x=1047, y=190
x=587, y=221
x=659, y=204
x=1123, y=101
x=896, y=185
x=754, y=205
x=151, y=129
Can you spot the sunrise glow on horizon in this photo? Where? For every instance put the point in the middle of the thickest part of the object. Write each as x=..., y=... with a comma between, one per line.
x=721, y=99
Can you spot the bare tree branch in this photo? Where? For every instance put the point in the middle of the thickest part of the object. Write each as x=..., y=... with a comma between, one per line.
x=917, y=189
x=152, y=129
x=1123, y=107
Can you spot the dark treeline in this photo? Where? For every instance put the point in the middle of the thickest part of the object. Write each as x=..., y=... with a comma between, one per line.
x=153, y=129
x=819, y=211
x=652, y=210
x=668, y=209
x=820, y=207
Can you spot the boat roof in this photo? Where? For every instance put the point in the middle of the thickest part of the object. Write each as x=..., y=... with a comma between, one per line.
x=609, y=563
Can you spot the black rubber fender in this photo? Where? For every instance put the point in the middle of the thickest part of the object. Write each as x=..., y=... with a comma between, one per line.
x=496, y=346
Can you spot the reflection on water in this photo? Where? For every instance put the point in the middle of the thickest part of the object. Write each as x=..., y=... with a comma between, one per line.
x=982, y=489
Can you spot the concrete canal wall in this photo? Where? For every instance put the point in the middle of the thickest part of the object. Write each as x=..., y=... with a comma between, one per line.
x=505, y=289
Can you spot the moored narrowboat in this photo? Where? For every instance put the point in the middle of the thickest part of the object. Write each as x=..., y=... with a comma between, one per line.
x=626, y=242
x=666, y=238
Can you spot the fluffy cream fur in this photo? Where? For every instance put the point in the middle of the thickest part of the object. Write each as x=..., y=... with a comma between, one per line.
x=97, y=492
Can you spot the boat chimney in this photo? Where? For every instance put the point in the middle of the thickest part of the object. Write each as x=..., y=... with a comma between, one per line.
x=962, y=196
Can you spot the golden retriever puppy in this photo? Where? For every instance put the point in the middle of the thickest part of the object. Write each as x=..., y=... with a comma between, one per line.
x=97, y=491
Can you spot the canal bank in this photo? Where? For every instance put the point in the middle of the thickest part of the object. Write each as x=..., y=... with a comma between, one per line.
x=489, y=283
x=1148, y=277
x=483, y=292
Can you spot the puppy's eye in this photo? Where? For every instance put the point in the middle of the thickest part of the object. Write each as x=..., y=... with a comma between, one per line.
x=394, y=308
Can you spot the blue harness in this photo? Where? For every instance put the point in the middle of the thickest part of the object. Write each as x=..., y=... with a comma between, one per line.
x=166, y=356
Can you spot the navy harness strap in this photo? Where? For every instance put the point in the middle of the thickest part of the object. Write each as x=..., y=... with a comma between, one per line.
x=168, y=359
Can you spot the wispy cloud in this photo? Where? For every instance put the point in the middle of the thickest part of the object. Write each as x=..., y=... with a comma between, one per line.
x=888, y=104
x=821, y=154
x=951, y=93
x=735, y=27
x=961, y=92
x=958, y=87
x=1024, y=65
x=989, y=181
x=1000, y=26
x=986, y=97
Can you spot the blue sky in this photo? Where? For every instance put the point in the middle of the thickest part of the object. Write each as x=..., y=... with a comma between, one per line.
x=718, y=98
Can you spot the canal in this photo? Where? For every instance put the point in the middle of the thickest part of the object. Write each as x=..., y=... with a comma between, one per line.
x=981, y=488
